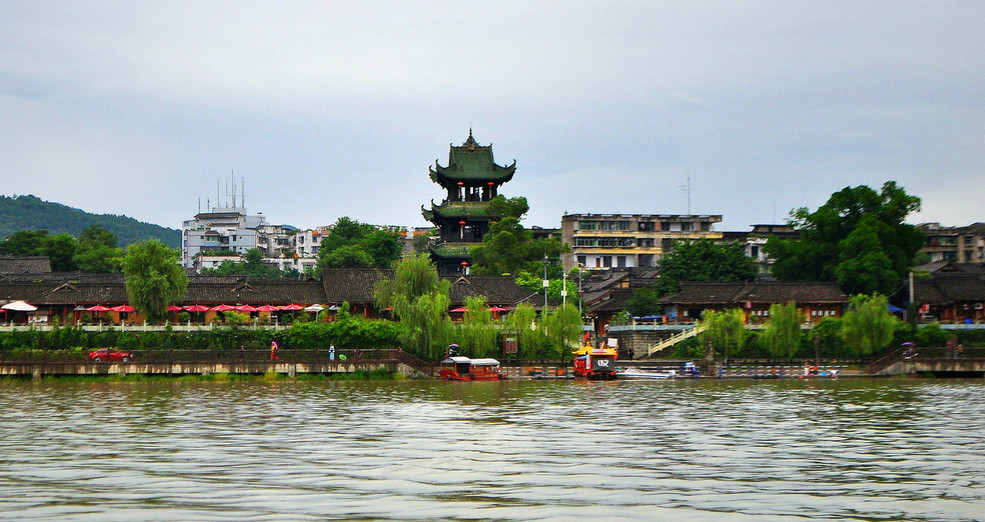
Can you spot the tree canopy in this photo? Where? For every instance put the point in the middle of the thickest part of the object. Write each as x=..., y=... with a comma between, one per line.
x=153, y=277
x=704, y=260
x=857, y=238
x=782, y=334
x=510, y=249
x=420, y=300
x=867, y=326
x=358, y=245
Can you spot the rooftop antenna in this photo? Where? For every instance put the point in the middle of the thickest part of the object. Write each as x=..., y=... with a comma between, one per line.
x=199, y=205
x=242, y=195
x=687, y=188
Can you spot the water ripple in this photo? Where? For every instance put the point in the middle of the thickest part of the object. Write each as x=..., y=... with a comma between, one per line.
x=517, y=450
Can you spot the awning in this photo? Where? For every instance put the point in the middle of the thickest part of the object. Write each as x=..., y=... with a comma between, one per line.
x=19, y=306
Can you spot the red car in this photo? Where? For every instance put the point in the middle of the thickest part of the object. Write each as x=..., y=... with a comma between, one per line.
x=109, y=354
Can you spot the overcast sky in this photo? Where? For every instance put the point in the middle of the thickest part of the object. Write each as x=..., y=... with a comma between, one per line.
x=331, y=109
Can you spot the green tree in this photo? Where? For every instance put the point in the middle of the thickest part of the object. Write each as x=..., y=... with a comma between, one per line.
x=521, y=325
x=704, y=260
x=645, y=301
x=824, y=244
x=23, y=243
x=60, y=249
x=509, y=207
x=510, y=249
x=725, y=331
x=867, y=326
x=827, y=338
x=355, y=244
x=97, y=251
x=154, y=279
x=476, y=333
x=562, y=328
x=419, y=299
x=782, y=335
x=863, y=266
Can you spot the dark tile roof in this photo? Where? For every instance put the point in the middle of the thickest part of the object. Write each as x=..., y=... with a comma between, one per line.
x=25, y=265
x=756, y=292
x=614, y=301
x=354, y=285
x=253, y=291
x=499, y=290
x=950, y=288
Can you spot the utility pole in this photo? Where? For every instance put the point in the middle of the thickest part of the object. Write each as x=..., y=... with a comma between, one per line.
x=546, y=282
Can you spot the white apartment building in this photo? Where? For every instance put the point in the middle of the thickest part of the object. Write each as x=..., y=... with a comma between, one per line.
x=222, y=229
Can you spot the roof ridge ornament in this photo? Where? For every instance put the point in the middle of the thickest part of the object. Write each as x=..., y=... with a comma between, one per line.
x=470, y=143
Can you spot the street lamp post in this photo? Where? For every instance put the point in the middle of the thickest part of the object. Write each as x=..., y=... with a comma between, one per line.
x=564, y=289
x=546, y=282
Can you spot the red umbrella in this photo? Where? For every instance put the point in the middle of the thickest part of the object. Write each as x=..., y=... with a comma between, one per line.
x=122, y=308
x=267, y=308
x=173, y=308
x=246, y=308
x=292, y=307
x=223, y=308
x=98, y=308
x=498, y=309
x=197, y=308
x=459, y=309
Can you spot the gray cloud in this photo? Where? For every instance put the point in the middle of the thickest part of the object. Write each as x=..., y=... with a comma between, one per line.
x=331, y=109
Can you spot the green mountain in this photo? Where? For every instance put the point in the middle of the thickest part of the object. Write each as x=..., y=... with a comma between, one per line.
x=31, y=213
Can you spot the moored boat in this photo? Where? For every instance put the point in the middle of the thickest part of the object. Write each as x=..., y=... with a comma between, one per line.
x=633, y=373
x=595, y=363
x=460, y=368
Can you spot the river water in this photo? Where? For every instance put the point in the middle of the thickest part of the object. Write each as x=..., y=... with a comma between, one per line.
x=681, y=450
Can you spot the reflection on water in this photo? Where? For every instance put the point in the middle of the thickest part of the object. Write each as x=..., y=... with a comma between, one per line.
x=518, y=450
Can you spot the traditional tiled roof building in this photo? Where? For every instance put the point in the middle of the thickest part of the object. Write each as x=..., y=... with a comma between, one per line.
x=815, y=299
x=471, y=179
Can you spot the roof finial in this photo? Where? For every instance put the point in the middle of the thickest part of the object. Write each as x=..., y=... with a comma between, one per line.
x=470, y=143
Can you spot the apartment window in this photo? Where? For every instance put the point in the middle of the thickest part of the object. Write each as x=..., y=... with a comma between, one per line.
x=607, y=261
x=588, y=225
x=582, y=260
x=647, y=226
x=687, y=226
x=621, y=261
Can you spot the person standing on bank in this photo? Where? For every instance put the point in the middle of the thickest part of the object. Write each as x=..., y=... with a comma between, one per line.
x=273, y=350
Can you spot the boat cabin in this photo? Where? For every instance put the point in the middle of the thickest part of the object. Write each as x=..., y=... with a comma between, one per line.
x=460, y=368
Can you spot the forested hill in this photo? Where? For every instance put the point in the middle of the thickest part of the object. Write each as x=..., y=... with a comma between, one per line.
x=31, y=213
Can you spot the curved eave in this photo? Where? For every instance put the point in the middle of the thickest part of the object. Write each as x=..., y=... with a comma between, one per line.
x=450, y=175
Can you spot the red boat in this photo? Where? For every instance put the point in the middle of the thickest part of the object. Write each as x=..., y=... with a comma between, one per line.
x=596, y=363
x=459, y=368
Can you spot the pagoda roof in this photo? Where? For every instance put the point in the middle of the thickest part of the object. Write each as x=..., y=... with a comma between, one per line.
x=457, y=209
x=471, y=162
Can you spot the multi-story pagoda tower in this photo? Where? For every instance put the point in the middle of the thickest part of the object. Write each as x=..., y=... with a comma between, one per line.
x=470, y=180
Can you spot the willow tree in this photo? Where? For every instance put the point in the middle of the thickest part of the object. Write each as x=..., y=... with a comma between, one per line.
x=154, y=278
x=476, y=334
x=867, y=326
x=562, y=327
x=521, y=325
x=782, y=333
x=420, y=301
x=724, y=331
